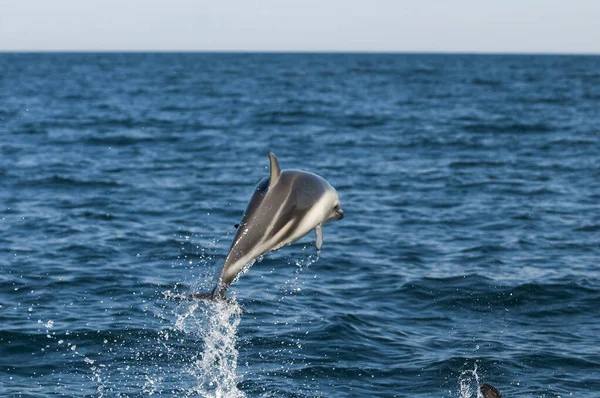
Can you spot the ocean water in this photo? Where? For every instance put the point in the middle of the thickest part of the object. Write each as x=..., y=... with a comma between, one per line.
x=469, y=252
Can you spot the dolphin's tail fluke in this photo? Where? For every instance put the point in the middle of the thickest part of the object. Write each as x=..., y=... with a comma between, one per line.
x=217, y=293
x=202, y=296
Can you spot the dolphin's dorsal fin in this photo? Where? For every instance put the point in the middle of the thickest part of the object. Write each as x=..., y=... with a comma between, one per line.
x=275, y=170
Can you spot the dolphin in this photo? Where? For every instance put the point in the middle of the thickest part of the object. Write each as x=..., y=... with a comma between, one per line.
x=489, y=391
x=285, y=206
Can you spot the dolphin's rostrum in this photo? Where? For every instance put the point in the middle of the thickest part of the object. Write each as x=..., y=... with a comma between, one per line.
x=285, y=206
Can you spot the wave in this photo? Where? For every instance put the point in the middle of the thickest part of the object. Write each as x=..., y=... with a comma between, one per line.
x=509, y=127
x=60, y=181
x=481, y=294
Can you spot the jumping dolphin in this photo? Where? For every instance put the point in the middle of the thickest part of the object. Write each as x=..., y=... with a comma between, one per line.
x=285, y=206
x=489, y=391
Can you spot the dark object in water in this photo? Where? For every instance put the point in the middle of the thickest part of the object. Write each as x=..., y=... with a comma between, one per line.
x=489, y=391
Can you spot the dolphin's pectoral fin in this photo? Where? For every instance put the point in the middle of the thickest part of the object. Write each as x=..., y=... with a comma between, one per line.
x=319, y=232
x=275, y=170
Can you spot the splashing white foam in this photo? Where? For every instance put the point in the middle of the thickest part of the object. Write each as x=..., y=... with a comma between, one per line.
x=468, y=380
x=215, y=368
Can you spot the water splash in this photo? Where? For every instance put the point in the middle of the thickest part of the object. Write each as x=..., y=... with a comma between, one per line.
x=292, y=285
x=468, y=380
x=67, y=347
x=215, y=367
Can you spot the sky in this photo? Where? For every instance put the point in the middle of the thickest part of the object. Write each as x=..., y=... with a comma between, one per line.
x=496, y=26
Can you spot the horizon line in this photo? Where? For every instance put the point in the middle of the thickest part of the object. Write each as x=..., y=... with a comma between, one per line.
x=323, y=52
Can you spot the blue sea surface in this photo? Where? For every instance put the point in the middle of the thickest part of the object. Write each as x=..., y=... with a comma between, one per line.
x=469, y=252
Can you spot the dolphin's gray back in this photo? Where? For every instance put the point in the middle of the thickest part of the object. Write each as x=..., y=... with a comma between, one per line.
x=269, y=211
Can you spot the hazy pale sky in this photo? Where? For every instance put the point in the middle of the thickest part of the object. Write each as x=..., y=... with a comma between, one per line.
x=547, y=26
